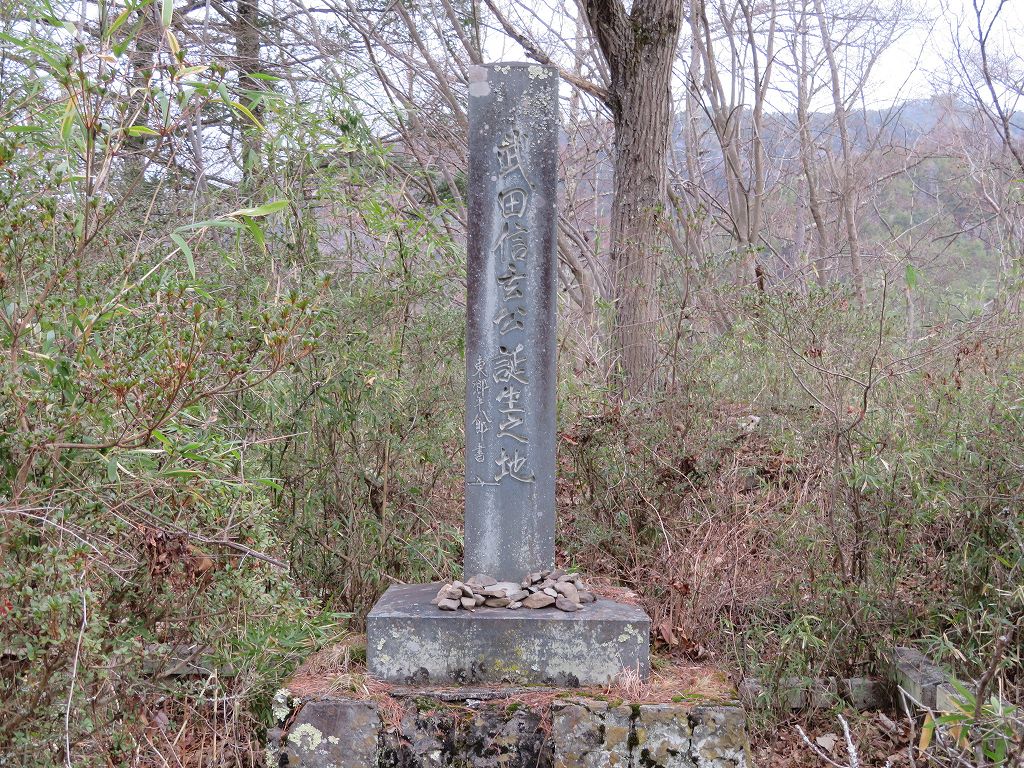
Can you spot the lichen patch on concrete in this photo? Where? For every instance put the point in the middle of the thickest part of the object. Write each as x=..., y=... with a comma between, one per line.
x=554, y=730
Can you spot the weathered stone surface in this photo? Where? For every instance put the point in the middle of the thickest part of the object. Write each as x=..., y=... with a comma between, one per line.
x=949, y=700
x=719, y=737
x=568, y=590
x=798, y=693
x=592, y=734
x=565, y=604
x=822, y=693
x=337, y=733
x=917, y=676
x=183, y=660
x=510, y=324
x=484, y=737
x=751, y=692
x=663, y=736
x=865, y=693
x=449, y=592
x=410, y=642
x=538, y=600
x=461, y=731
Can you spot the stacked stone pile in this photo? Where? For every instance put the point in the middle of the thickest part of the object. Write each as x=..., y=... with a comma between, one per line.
x=542, y=589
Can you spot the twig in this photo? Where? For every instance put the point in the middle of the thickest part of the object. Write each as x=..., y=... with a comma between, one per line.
x=817, y=750
x=851, y=748
x=74, y=676
x=982, y=691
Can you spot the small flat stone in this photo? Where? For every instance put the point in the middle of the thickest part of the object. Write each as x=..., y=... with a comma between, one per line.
x=547, y=583
x=533, y=588
x=497, y=602
x=567, y=605
x=479, y=599
x=556, y=574
x=535, y=577
x=587, y=597
x=568, y=589
x=448, y=605
x=515, y=605
x=468, y=603
x=482, y=580
x=525, y=582
x=448, y=592
x=566, y=577
x=467, y=591
x=538, y=600
x=522, y=594
x=550, y=591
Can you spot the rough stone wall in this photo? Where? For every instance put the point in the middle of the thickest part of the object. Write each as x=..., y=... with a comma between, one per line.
x=568, y=733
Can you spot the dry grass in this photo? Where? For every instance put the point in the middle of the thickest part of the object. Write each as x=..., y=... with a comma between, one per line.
x=718, y=515
x=341, y=671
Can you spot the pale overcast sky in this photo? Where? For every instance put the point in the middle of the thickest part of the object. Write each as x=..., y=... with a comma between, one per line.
x=914, y=67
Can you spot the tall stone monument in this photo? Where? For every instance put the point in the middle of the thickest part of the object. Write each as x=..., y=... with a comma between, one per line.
x=510, y=324
x=510, y=426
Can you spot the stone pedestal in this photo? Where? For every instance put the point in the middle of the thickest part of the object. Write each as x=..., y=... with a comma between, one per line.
x=411, y=642
x=512, y=286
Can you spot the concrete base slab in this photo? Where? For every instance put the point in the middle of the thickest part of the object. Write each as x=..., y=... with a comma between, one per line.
x=411, y=642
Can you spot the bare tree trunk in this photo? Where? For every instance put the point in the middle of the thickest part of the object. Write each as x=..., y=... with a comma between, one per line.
x=807, y=161
x=247, y=61
x=800, y=262
x=639, y=48
x=847, y=181
x=731, y=109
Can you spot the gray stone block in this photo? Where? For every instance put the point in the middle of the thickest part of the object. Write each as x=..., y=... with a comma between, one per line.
x=339, y=733
x=915, y=674
x=751, y=692
x=865, y=693
x=822, y=693
x=489, y=736
x=663, y=736
x=948, y=699
x=590, y=734
x=411, y=642
x=719, y=737
x=587, y=733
